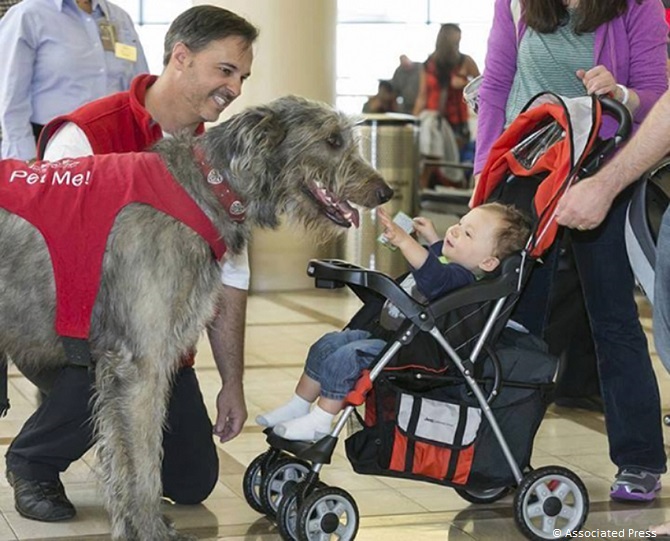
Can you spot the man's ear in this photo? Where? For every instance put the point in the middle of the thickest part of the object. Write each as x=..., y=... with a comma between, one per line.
x=180, y=55
x=489, y=264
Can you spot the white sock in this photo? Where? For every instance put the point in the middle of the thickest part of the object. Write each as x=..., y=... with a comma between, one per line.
x=296, y=407
x=308, y=427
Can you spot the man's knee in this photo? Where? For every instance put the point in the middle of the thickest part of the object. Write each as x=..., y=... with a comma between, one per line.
x=193, y=486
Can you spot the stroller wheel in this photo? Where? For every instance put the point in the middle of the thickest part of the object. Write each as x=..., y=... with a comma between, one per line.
x=279, y=476
x=488, y=495
x=550, y=500
x=251, y=483
x=287, y=512
x=328, y=512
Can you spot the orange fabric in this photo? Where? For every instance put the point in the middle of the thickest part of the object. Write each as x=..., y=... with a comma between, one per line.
x=399, y=451
x=430, y=460
x=464, y=465
x=357, y=395
x=556, y=161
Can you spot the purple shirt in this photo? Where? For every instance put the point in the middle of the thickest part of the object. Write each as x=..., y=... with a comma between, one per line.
x=632, y=47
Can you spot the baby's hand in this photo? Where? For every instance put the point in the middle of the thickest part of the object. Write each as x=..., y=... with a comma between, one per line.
x=395, y=234
x=426, y=229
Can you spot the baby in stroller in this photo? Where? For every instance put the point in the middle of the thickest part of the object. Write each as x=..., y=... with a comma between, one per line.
x=472, y=248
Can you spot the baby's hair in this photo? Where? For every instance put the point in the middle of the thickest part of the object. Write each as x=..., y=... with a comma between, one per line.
x=513, y=234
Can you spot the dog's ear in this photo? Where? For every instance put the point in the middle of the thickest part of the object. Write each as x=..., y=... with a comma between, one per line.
x=257, y=132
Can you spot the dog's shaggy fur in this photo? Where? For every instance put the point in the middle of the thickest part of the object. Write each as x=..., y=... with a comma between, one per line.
x=160, y=284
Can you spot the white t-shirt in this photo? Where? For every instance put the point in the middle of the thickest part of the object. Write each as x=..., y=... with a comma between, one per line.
x=70, y=141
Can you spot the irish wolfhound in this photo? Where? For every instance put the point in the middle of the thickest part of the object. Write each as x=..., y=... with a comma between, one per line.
x=159, y=282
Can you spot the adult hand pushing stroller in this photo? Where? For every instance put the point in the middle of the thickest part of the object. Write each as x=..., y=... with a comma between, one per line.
x=457, y=395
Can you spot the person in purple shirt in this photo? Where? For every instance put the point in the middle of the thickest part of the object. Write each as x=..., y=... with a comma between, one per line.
x=473, y=247
x=575, y=48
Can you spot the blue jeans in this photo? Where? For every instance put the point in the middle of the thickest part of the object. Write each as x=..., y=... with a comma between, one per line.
x=337, y=359
x=662, y=293
x=628, y=383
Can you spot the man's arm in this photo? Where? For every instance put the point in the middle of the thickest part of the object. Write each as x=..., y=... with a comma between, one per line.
x=226, y=337
x=585, y=205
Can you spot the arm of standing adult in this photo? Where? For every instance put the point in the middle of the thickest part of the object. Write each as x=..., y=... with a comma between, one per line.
x=499, y=71
x=18, y=45
x=586, y=204
x=420, y=103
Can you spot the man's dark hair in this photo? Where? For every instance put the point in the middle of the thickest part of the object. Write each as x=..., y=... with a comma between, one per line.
x=198, y=26
x=385, y=85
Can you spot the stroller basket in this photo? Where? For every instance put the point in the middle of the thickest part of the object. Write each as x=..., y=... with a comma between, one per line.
x=419, y=425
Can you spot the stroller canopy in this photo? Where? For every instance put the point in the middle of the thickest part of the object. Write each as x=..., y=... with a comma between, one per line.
x=549, y=139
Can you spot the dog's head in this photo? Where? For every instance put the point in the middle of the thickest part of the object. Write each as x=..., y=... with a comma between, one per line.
x=299, y=158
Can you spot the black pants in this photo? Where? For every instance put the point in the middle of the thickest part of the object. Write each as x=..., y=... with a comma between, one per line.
x=563, y=322
x=60, y=432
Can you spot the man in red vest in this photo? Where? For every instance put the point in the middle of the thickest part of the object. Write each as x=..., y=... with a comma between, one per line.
x=208, y=56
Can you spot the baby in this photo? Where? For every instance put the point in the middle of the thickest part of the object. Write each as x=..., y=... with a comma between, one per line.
x=472, y=247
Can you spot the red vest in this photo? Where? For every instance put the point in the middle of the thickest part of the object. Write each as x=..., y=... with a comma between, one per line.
x=116, y=123
x=74, y=202
x=454, y=109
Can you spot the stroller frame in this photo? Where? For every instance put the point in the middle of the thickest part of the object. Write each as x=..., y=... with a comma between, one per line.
x=283, y=482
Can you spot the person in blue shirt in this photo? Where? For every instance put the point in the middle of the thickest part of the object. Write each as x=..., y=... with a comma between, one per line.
x=472, y=247
x=58, y=55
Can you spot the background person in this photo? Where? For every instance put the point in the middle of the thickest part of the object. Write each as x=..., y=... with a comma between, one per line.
x=405, y=82
x=58, y=55
x=208, y=56
x=617, y=48
x=382, y=102
x=443, y=112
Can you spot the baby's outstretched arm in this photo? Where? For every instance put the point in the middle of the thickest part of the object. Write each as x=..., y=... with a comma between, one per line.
x=414, y=253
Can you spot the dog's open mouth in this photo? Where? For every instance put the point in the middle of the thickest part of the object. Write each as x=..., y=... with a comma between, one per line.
x=339, y=211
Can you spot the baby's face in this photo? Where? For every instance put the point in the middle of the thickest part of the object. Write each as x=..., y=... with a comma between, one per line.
x=471, y=242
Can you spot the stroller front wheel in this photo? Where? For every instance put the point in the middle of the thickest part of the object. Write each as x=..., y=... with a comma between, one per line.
x=251, y=483
x=280, y=476
x=328, y=512
x=550, y=503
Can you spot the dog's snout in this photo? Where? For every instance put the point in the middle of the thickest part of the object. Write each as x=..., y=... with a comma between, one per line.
x=384, y=194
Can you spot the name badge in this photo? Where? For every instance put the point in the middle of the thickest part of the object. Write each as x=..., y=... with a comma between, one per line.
x=125, y=52
x=107, y=35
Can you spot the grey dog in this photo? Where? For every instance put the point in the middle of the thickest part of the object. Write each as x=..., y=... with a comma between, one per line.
x=159, y=284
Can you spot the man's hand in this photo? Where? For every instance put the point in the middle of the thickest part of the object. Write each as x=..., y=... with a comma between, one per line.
x=586, y=204
x=231, y=412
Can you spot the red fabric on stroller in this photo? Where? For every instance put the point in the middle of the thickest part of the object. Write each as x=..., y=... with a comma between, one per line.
x=552, y=136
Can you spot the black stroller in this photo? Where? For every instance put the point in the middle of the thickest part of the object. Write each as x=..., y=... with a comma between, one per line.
x=457, y=395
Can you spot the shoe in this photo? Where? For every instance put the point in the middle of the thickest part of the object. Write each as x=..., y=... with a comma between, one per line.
x=632, y=485
x=41, y=500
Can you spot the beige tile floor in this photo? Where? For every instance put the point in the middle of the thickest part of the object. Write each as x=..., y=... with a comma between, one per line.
x=280, y=329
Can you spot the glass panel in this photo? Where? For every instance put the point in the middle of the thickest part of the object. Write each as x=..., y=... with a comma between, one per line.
x=132, y=7
x=457, y=11
x=165, y=11
x=152, y=37
x=402, y=11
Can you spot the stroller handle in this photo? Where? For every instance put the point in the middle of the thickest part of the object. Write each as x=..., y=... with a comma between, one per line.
x=604, y=147
x=621, y=114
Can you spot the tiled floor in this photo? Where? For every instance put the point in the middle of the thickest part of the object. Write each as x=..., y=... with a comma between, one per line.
x=280, y=329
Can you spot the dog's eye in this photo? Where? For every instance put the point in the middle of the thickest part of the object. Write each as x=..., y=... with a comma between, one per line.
x=335, y=140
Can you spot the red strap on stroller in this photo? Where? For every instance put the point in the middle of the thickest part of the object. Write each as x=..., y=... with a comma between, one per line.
x=356, y=396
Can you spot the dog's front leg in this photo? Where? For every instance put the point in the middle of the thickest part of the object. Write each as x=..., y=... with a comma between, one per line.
x=130, y=410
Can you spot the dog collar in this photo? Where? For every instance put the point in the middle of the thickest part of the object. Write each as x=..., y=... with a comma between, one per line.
x=232, y=203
